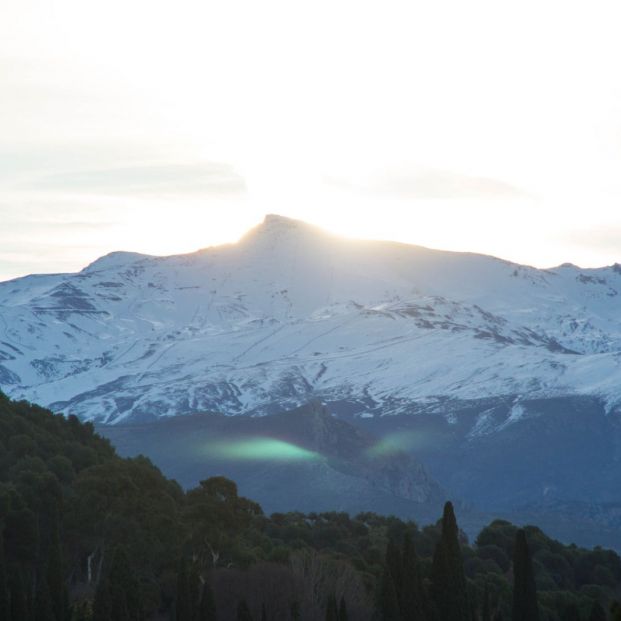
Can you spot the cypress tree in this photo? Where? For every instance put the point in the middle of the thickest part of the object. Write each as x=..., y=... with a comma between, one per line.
x=388, y=603
x=207, y=608
x=332, y=612
x=394, y=563
x=243, y=612
x=343, y=616
x=43, y=605
x=295, y=611
x=123, y=589
x=597, y=612
x=119, y=611
x=486, y=614
x=101, y=604
x=524, y=591
x=54, y=574
x=195, y=591
x=19, y=599
x=183, y=605
x=5, y=602
x=450, y=596
x=413, y=602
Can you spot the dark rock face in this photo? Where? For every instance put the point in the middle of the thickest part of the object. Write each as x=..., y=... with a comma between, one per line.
x=550, y=461
x=351, y=451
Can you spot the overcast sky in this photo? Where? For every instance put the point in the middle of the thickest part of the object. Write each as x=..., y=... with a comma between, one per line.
x=163, y=127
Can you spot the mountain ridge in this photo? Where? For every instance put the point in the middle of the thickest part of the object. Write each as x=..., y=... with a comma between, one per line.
x=291, y=313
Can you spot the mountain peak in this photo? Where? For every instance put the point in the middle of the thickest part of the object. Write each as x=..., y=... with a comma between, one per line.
x=275, y=226
x=113, y=260
x=274, y=219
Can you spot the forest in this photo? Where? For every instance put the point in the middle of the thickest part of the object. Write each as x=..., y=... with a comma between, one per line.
x=86, y=535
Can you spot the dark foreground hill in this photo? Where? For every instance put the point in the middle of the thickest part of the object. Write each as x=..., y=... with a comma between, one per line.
x=89, y=535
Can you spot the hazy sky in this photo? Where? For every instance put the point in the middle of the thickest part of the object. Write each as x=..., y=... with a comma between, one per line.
x=164, y=127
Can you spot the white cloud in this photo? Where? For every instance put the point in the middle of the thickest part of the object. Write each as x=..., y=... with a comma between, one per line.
x=115, y=108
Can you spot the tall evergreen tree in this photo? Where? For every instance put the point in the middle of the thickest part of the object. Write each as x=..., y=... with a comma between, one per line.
x=195, y=590
x=332, y=612
x=123, y=589
x=525, y=606
x=101, y=604
x=243, y=612
x=388, y=603
x=394, y=563
x=450, y=596
x=43, y=605
x=5, y=602
x=486, y=614
x=413, y=601
x=54, y=573
x=207, y=608
x=295, y=611
x=183, y=600
x=343, y=615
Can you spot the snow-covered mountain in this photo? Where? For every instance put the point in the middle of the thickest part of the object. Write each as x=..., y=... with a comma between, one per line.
x=291, y=312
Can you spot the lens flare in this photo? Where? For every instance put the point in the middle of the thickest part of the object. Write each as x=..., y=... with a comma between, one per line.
x=260, y=449
x=396, y=443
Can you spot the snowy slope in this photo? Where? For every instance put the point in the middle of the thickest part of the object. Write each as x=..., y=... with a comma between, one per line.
x=291, y=312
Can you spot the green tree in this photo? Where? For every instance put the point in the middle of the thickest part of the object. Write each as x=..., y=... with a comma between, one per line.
x=5, y=602
x=54, y=573
x=450, y=596
x=183, y=600
x=216, y=515
x=101, y=603
x=207, y=608
x=195, y=590
x=525, y=606
x=123, y=589
x=615, y=611
x=19, y=598
x=388, y=602
x=243, y=612
x=394, y=562
x=43, y=605
x=486, y=614
x=413, y=601
x=343, y=616
x=332, y=612
x=295, y=611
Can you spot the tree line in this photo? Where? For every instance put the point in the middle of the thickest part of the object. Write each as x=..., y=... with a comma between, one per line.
x=88, y=536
